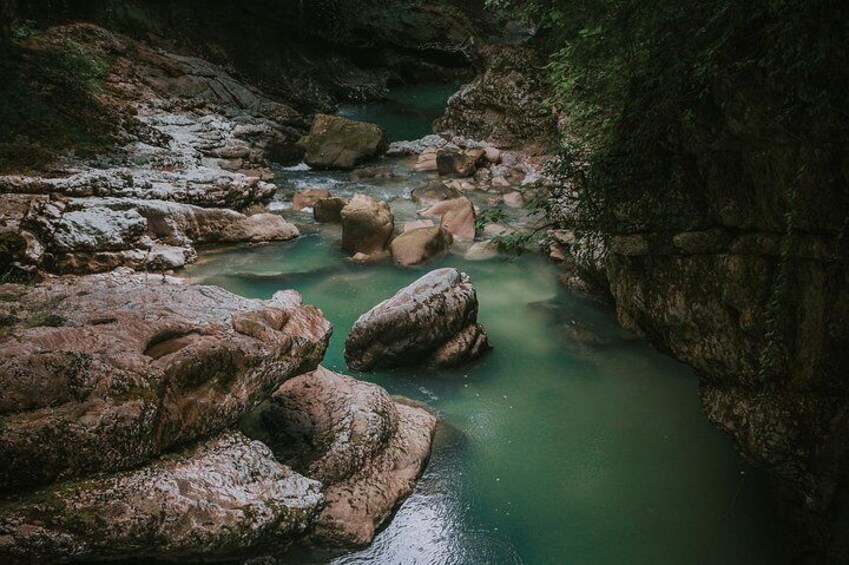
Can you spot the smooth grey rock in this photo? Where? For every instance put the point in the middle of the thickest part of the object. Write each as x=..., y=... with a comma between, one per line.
x=411, y=326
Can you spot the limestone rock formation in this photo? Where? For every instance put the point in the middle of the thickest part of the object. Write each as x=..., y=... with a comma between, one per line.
x=339, y=143
x=226, y=497
x=367, y=226
x=427, y=322
x=102, y=373
x=87, y=235
x=416, y=246
x=505, y=103
x=366, y=448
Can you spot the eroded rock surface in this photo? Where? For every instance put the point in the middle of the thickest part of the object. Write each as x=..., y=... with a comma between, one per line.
x=226, y=497
x=102, y=373
x=506, y=103
x=85, y=235
x=366, y=448
x=417, y=323
x=188, y=133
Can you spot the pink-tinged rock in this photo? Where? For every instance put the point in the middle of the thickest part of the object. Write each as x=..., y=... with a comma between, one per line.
x=457, y=216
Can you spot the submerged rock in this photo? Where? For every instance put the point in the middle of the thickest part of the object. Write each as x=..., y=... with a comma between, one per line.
x=482, y=251
x=367, y=226
x=366, y=448
x=433, y=192
x=416, y=246
x=418, y=324
x=226, y=497
x=102, y=373
x=340, y=143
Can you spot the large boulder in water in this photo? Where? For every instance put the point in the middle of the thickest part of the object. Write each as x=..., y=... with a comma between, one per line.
x=416, y=246
x=339, y=143
x=457, y=216
x=367, y=226
x=428, y=322
x=103, y=373
x=226, y=497
x=368, y=449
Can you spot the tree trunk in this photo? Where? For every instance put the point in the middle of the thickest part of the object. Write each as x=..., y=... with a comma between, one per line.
x=7, y=16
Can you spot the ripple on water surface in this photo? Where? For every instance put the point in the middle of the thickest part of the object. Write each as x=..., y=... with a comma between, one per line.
x=571, y=442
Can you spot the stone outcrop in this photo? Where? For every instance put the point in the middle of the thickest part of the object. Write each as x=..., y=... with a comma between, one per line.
x=89, y=235
x=740, y=269
x=366, y=448
x=335, y=142
x=227, y=497
x=505, y=104
x=190, y=150
x=367, y=226
x=416, y=246
x=105, y=372
x=432, y=321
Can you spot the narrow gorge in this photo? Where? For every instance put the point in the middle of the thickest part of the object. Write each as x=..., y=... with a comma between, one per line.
x=431, y=281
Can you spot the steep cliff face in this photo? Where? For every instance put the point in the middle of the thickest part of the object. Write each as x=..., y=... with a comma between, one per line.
x=726, y=246
x=742, y=271
x=310, y=53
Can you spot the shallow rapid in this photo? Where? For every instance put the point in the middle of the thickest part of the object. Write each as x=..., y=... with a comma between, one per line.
x=572, y=442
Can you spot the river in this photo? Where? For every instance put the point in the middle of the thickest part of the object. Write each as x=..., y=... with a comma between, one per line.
x=572, y=442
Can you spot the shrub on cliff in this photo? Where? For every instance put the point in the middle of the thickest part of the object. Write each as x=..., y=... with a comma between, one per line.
x=48, y=99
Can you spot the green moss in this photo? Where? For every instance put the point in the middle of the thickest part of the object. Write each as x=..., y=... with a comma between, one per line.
x=44, y=319
x=48, y=103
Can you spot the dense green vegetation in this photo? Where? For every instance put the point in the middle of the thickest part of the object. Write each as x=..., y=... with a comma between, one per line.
x=646, y=85
x=48, y=99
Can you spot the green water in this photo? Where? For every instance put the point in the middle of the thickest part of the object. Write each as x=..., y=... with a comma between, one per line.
x=407, y=112
x=550, y=450
x=571, y=443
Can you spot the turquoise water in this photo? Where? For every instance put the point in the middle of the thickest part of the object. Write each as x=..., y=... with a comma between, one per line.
x=571, y=443
x=407, y=113
x=553, y=449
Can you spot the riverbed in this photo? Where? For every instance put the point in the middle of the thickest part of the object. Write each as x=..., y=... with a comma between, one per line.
x=571, y=442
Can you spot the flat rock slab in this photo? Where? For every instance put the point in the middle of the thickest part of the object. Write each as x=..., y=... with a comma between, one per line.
x=366, y=448
x=225, y=497
x=103, y=373
x=413, y=326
